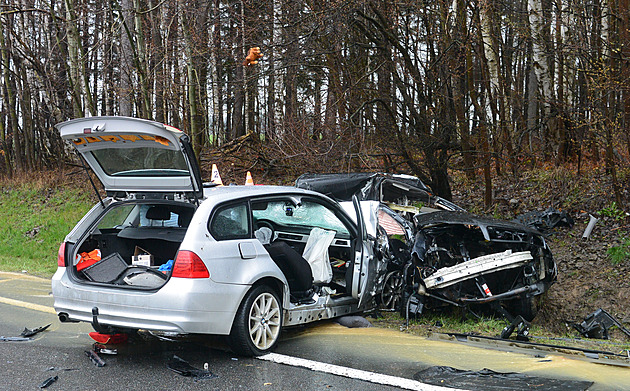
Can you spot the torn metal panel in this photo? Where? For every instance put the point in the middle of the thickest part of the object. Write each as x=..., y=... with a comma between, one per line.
x=476, y=267
x=492, y=229
x=402, y=190
x=546, y=220
x=30, y=333
x=597, y=324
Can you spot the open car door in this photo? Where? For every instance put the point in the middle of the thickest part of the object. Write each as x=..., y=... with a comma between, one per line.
x=135, y=155
x=364, y=261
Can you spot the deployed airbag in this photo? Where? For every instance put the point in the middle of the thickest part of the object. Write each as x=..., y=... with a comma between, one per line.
x=316, y=253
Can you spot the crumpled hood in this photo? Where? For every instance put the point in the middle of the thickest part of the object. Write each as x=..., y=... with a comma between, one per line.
x=465, y=218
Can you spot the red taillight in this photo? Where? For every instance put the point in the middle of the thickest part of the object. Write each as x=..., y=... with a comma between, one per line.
x=189, y=265
x=61, y=256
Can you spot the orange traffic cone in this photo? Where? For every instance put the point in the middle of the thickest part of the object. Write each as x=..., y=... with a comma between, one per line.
x=216, y=178
x=249, y=181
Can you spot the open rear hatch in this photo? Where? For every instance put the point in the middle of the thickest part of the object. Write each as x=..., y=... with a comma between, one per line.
x=131, y=155
x=151, y=169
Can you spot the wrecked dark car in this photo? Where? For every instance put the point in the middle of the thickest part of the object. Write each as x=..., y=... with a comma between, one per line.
x=455, y=258
x=464, y=259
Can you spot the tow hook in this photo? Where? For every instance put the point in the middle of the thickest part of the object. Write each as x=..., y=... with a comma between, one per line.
x=95, y=323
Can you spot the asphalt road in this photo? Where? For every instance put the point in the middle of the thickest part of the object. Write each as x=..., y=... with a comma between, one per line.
x=320, y=357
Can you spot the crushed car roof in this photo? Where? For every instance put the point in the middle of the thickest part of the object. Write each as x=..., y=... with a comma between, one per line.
x=377, y=186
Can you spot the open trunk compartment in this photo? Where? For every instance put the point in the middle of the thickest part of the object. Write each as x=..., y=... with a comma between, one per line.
x=132, y=244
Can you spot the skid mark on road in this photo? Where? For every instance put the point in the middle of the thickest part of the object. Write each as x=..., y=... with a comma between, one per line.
x=406, y=384
x=30, y=306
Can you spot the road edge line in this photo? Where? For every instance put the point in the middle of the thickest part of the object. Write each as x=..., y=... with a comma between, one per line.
x=372, y=377
x=30, y=306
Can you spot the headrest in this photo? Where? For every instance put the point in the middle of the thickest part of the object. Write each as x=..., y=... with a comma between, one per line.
x=158, y=213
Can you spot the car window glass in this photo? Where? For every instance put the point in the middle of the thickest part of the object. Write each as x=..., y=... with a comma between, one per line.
x=115, y=217
x=144, y=161
x=231, y=222
x=157, y=216
x=307, y=214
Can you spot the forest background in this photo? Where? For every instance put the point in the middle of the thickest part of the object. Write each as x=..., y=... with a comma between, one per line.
x=484, y=87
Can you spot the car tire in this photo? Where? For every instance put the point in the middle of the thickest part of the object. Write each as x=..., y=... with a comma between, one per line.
x=527, y=307
x=258, y=322
x=391, y=294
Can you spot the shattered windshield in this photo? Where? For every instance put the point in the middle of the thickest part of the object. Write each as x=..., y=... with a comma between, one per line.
x=143, y=161
x=309, y=214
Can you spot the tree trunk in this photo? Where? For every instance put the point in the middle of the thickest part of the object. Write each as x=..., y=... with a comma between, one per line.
x=217, y=75
x=125, y=91
x=9, y=99
x=540, y=62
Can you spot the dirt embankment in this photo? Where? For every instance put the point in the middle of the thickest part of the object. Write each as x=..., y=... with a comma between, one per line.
x=588, y=277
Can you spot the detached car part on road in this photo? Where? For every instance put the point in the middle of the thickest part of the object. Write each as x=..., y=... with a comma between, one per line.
x=455, y=258
x=164, y=252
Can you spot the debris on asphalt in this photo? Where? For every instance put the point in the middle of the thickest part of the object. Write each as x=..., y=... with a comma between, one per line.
x=94, y=357
x=597, y=324
x=490, y=380
x=353, y=322
x=182, y=367
x=49, y=381
x=14, y=339
x=103, y=349
x=30, y=333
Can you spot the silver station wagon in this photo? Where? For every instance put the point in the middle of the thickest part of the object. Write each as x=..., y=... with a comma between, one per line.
x=165, y=252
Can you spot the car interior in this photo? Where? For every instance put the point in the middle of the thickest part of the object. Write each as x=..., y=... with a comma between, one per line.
x=141, y=237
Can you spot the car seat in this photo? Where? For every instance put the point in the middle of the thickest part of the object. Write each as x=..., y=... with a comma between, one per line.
x=295, y=268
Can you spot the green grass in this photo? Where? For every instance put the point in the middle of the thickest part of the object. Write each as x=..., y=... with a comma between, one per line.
x=621, y=253
x=34, y=220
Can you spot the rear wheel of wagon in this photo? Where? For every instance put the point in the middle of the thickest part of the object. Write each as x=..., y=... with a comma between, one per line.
x=257, y=324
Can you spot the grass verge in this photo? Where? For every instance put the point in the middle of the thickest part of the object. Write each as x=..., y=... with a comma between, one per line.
x=34, y=219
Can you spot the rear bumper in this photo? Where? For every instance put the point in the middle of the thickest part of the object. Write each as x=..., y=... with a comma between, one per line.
x=182, y=305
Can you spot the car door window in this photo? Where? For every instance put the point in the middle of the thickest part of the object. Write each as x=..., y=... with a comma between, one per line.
x=230, y=222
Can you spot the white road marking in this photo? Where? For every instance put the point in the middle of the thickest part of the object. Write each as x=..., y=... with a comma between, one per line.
x=30, y=306
x=407, y=384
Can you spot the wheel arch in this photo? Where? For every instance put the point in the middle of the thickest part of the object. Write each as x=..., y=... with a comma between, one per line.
x=278, y=286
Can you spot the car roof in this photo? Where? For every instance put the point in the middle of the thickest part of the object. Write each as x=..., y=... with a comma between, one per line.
x=220, y=194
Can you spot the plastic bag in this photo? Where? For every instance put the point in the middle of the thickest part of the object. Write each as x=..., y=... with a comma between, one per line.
x=316, y=253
